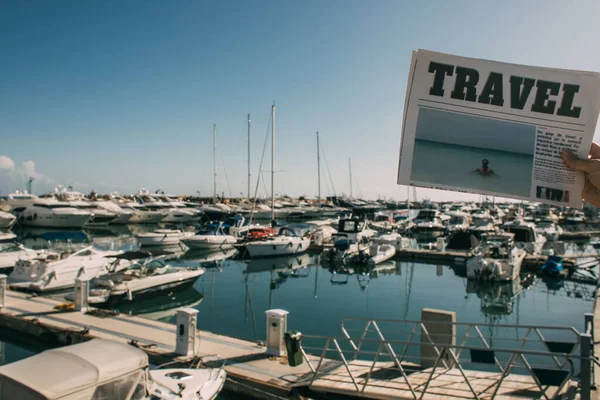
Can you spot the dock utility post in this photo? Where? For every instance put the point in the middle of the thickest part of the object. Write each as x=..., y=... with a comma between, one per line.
x=276, y=328
x=82, y=292
x=2, y=290
x=186, y=331
x=438, y=332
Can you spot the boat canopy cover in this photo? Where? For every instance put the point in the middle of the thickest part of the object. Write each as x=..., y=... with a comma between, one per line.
x=56, y=373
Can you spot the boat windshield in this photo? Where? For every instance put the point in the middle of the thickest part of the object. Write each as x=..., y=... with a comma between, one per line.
x=52, y=206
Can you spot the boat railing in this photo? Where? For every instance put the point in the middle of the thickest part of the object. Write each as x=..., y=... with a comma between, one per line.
x=369, y=351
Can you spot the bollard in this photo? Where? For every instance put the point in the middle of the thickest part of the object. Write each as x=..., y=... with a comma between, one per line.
x=2, y=290
x=440, y=244
x=82, y=292
x=585, y=367
x=186, y=331
x=276, y=327
x=441, y=327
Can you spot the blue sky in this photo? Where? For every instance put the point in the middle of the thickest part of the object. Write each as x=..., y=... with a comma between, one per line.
x=117, y=95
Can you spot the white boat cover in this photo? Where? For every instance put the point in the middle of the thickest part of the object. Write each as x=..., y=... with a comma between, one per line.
x=57, y=373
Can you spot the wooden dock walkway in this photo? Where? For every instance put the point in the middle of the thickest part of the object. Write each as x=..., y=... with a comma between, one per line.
x=250, y=370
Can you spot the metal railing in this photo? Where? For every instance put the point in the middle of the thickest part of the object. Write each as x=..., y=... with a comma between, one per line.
x=408, y=347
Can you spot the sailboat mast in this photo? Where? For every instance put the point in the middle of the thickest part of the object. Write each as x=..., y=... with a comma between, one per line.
x=273, y=163
x=215, y=162
x=318, y=170
x=350, y=170
x=249, y=156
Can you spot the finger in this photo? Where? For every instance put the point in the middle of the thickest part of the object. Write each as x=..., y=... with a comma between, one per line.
x=591, y=194
x=595, y=151
x=574, y=162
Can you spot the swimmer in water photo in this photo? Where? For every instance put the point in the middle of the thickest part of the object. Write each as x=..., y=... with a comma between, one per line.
x=485, y=170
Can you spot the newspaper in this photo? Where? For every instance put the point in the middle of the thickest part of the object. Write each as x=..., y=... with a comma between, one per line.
x=496, y=129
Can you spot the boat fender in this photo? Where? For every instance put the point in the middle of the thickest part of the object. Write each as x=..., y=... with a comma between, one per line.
x=129, y=294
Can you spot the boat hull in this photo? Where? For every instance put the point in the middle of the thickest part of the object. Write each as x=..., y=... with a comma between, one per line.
x=276, y=248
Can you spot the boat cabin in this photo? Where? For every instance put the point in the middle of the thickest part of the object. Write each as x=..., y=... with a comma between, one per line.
x=98, y=369
x=496, y=245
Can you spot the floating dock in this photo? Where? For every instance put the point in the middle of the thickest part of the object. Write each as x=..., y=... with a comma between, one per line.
x=250, y=370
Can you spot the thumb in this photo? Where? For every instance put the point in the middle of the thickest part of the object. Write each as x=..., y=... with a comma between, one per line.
x=574, y=162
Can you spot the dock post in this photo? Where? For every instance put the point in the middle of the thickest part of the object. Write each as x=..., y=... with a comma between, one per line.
x=2, y=291
x=585, y=367
x=276, y=327
x=441, y=330
x=82, y=292
x=186, y=331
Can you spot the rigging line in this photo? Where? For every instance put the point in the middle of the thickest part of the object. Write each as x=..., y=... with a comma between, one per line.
x=328, y=171
x=225, y=173
x=260, y=167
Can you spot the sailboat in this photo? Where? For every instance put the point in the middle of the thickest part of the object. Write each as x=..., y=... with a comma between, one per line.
x=287, y=241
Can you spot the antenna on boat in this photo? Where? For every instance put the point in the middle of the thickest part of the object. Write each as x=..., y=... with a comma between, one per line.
x=249, y=156
x=215, y=162
x=318, y=171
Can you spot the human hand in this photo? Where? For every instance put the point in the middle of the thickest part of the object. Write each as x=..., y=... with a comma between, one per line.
x=591, y=168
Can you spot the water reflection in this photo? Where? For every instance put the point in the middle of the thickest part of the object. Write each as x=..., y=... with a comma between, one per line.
x=163, y=307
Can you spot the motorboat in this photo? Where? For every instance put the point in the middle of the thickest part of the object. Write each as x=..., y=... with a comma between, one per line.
x=99, y=216
x=574, y=216
x=7, y=220
x=162, y=237
x=211, y=238
x=459, y=221
x=174, y=213
x=497, y=258
x=12, y=252
x=7, y=237
x=54, y=271
x=104, y=369
x=372, y=255
x=548, y=228
x=382, y=222
x=351, y=240
x=19, y=201
x=322, y=234
x=395, y=239
x=122, y=216
x=141, y=214
x=482, y=223
x=286, y=242
x=554, y=267
x=526, y=236
x=146, y=279
x=428, y=225
x=50, y=213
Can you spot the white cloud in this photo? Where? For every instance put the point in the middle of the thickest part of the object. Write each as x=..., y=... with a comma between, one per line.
x=13, y=176
x=6, y=163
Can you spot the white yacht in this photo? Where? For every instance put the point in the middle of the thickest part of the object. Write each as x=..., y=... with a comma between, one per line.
x=212, y=238
x=122, y=216
x=428, y=225
x=12, y=252
x=482, y=223
x=548, y=228
x=496, y=258
x=459, y=221
x=99, y=215
x=54, y=271
x=104, y=369
x=175, y=212
x=351, y=240
x=395, y=239
x=18, y=201
x=50, y=213
x=526, y=236
x=575, y=216
x=141, y=214
x=286, y=242
x=162, y=237
x=146, y=279
x=7, y=220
